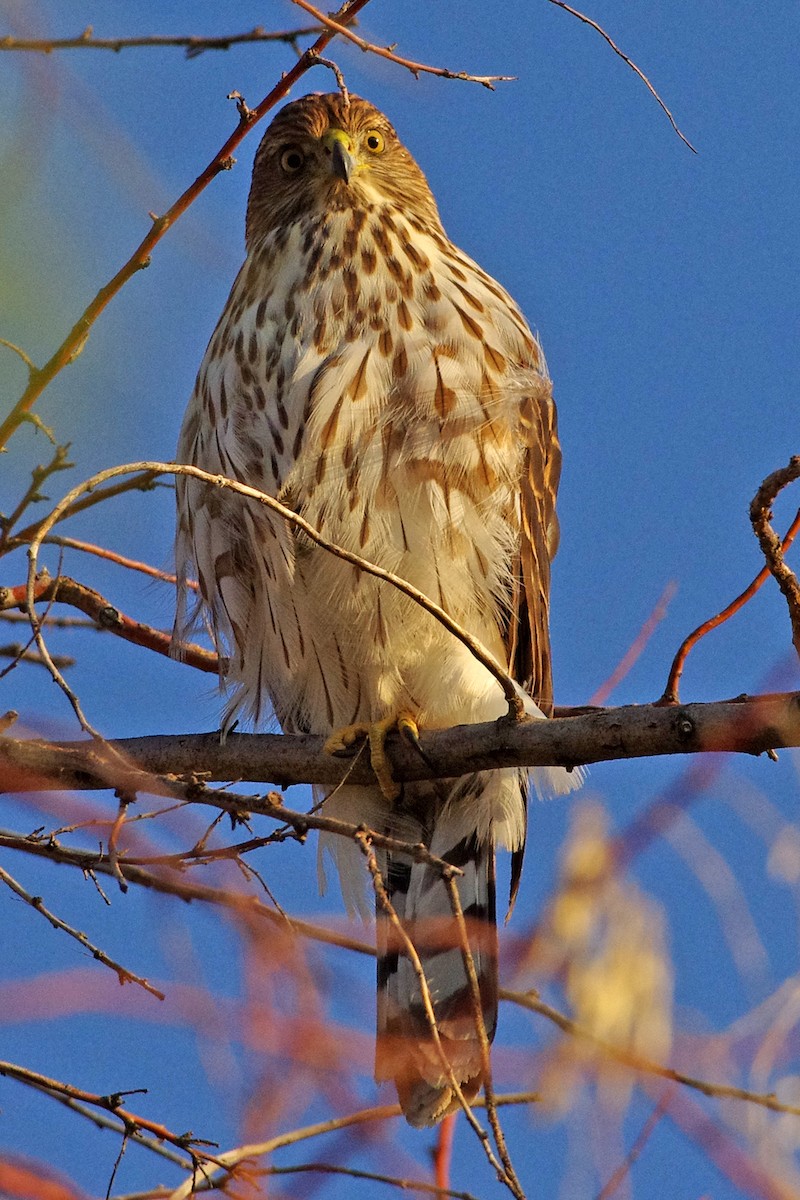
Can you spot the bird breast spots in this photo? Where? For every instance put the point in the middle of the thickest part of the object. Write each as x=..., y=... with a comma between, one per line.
x=369, y=261
x=471, y=300
x=415, y=257
x=444, y=397
x=400, y=363
x=404, y=316
x=385, y=342
x=494, y=360
x=470, y=324
x=358, y=385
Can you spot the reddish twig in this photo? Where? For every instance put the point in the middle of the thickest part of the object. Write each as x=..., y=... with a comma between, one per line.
x=75, y=340
x=768, y=540
x=645, y=1133
x=121, y=560
x=671, y=691
x=636, y=70
x=443, y=1152
x=63, y=590
x=637, y=646
x=193, y=44
x=131, y=1122
x=416, y=68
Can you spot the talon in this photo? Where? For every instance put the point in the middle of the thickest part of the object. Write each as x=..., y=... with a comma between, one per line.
x=342, y=740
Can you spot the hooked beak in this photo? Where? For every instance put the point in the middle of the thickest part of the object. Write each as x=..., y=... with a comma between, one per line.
x=337, y=144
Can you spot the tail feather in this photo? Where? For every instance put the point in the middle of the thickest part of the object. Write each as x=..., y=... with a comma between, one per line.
x=406, y=1051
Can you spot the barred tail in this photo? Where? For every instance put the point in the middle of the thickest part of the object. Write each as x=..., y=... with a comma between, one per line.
x=406, y=1051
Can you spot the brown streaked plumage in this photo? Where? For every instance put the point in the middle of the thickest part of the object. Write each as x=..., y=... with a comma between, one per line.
x=369, y=374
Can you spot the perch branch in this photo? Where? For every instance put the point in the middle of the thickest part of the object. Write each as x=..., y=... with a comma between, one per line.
x=747, y=725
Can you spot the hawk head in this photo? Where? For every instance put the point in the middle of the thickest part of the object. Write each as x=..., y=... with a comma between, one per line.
x=322, y=154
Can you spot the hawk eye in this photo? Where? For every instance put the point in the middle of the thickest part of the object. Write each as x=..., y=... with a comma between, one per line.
x=375, y=141
x=291, y=161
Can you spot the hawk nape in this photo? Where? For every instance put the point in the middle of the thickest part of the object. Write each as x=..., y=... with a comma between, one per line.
x=371, y=376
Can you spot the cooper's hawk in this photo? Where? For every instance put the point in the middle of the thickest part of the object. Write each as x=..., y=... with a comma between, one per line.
x=371, y=376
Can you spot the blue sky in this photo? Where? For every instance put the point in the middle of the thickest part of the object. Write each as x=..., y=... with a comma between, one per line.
x=664, y=286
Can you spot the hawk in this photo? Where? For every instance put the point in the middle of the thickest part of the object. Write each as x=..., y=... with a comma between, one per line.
x=368, y=374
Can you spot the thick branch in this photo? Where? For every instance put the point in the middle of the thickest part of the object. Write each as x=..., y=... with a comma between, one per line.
x=749, y=725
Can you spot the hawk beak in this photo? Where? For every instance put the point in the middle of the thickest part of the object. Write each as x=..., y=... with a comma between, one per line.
x=338, y=145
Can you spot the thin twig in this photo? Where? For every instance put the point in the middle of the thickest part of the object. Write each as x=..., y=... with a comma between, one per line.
x=105, y=616
x=19, y=653
x=405, y=1185
x=248, y=906
x=636, y=647
x=113, y=1103
x=599, y=29
x=122, y=560
x=509, y=1175
x=644, y=1135
x=511, y=691
x=671, y=691
x=193, y=44
x=387, y=52
x=35, y=902
x=32, y=495
x=636, y=1062
x=771, y=548
x=75, y=340
x=29, y=363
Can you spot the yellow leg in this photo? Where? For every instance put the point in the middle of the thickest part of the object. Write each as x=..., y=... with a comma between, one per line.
x=342, y=739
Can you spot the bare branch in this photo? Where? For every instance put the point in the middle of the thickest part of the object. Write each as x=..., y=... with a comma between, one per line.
x=36, y=902
x=75, y=340
x=599, y=29
x=131, y=1122
x=771, y=548
x=193, y=44
x=636, y=1062
x=679, y=662
x=415, y=68
x=747, y=725
x=108, y=617
x=169, y=883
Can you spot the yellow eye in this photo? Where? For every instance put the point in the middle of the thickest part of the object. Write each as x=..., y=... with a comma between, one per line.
x=292, y=160
x=375, y=142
